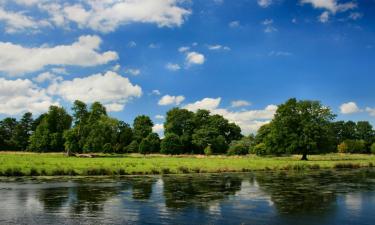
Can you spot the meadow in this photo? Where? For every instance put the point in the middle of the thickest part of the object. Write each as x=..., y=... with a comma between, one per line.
x=57, y=164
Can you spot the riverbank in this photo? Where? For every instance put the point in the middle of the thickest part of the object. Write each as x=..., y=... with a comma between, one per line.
x=57, y=164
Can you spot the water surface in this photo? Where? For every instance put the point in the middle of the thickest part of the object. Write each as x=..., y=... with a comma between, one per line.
x=315, y=197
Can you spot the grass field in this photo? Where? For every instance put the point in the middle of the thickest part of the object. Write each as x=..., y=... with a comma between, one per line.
x=56, y=164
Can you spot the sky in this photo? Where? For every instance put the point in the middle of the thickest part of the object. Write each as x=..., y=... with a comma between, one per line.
x=237, y=58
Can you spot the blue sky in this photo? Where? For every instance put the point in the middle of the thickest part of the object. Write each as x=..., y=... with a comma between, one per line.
x=236, y=58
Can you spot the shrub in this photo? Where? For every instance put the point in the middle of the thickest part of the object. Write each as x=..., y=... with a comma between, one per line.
x=238, y=148
x=132, y=147
x=171, y=144
x=373, y=148
x=208, y=150
x=145, y=146
x=352, y=146
x=260, y=149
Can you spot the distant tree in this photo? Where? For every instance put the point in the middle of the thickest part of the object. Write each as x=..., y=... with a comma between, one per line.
x=142, y=126
x=124, y=136
x=132, y=147
x=300, y=127
x=171, y=144
x=7, y=132
x=242, y=147
x=373, y=148
x=48, y=136
x=145, y=146
x=352, y=146
x=23, y=132
x=364, y=131
x=154, y=140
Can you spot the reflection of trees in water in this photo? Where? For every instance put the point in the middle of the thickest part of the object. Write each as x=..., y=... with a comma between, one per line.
x=299, y=192
x=198, y=190
x=91, y=197
x=142, y=187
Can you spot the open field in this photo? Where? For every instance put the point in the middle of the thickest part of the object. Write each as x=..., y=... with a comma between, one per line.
x=56, y=164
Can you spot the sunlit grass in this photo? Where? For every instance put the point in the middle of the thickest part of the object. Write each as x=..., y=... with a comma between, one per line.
x=56, y=164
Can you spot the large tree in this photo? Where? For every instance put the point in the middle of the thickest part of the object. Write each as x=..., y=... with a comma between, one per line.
x=142, y=126
x=300, y=127
x=23, y=131
x=48, y=136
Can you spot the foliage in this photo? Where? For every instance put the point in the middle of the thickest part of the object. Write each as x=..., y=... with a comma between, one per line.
x=373, y=148
x=142, y=126
x=171, y=144
x=132, y=147
x=299, y=127
x=260, y=149
x=241, y=147
x=352, y=146
x=48, y=136
x=208, y=150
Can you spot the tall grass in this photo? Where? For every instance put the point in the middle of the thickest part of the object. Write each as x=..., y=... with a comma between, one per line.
x=56, y=164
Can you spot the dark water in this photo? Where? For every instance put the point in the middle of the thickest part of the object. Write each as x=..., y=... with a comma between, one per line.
x=318, y=197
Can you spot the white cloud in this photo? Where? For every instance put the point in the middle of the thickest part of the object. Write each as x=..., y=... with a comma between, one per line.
x=59, y=70
x=153, y=45
x=234, y=24
x=116, y=67
x=111, y=89
x=194, y=58
x=324, y=17
x=19, y=96
x=218, y=47
x=371, y=111
x=16, y=59
x=171, y=100
x=18, y=21
x=47, y=76
x=133, y=71
x=249, y=120
x=155, y=92
x=158, y=128
x=332, y=5
x=349, y=108
x=159, y=117
x=183, y=49
x=264, y=3
x=240, y=103
x=206, y=103
x=172, y=67
x=108, y=15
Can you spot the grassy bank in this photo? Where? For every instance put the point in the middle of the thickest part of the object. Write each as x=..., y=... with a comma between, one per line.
x=55, y=164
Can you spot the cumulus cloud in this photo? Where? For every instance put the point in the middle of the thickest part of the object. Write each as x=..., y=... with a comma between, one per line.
x=172, y=67
x=240, y=103
x=194, y=58
x=171, y=100
x=22, y=95
x=331, y=5
x=206, y=103
x=158, y=128
x=264, y=3
x=16, y=59
x=155, y=92
x=46, y=76
x=108, y=15
x=349, y=108
x=249, y=120
x=111, y=89
x=18, y=21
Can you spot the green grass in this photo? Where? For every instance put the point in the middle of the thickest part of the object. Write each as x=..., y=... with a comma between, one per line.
x=56, y=164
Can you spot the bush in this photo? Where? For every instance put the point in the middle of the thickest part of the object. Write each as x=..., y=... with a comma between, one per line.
x=352, y=146
x=260, y=149
x=145, y=146
x=171, y=144
x=208, y=150
x=238, y=148
x=132, y=147
x=373, y=148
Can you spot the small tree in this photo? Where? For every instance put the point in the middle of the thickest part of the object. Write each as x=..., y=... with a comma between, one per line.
x=373, y=148
x=171, y=144
x=208, y=150
x=132, y=147
x=145, y=146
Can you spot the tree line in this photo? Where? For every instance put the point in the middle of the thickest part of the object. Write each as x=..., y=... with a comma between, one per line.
x=298, y=127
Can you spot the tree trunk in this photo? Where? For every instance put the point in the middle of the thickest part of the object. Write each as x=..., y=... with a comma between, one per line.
x=304, y=156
